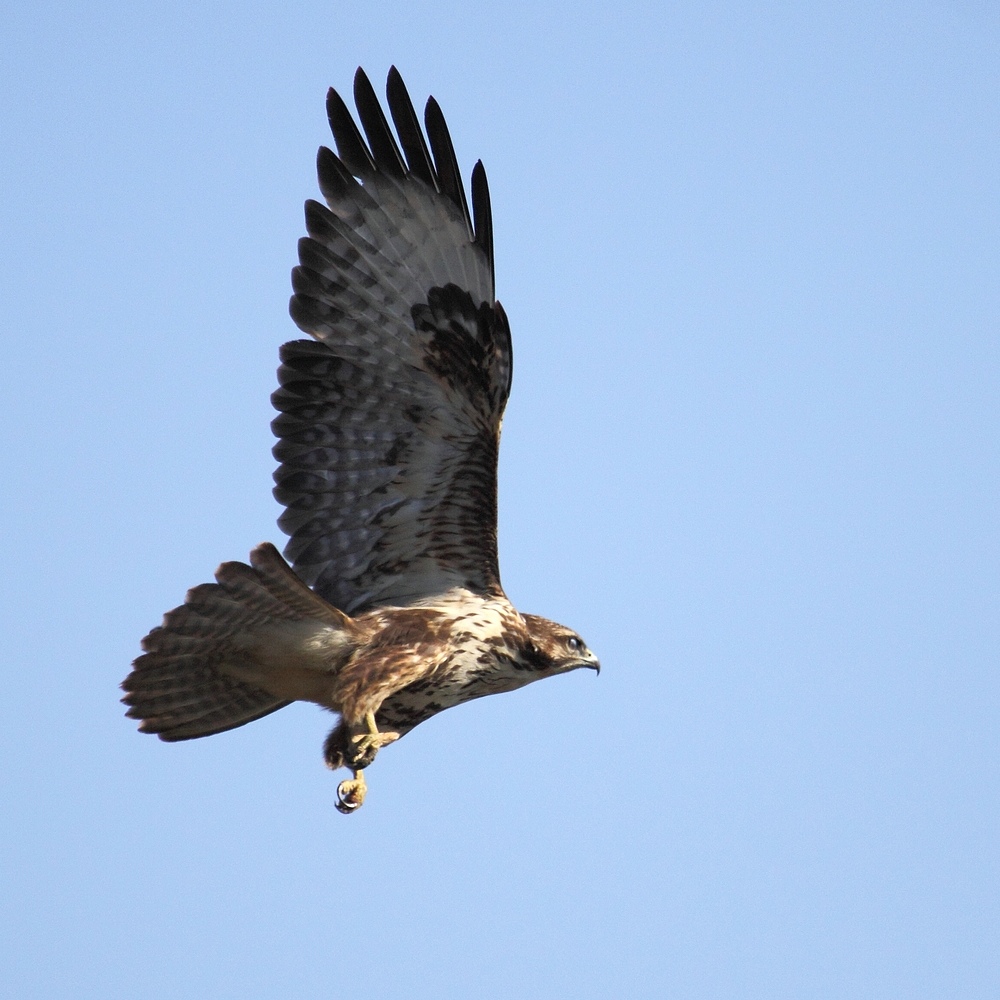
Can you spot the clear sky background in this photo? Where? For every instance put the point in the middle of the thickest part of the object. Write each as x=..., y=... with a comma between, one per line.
x=750, y=256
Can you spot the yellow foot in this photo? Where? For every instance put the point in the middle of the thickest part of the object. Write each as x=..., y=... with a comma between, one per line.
x=365, y=746
x=351, y=794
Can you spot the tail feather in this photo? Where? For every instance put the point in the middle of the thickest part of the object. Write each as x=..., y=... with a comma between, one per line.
x=180, y=688
x=281, y=581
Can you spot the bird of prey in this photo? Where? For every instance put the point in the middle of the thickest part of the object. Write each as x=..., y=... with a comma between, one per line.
x=388, y=430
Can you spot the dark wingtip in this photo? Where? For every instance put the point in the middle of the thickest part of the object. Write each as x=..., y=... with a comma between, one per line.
x=351, y=147
x=332, y=175
x=445, y=161
x=483, y=215
x=380, y=139
x=418, y=158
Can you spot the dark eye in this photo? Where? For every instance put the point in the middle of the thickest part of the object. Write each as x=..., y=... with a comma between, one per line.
x=574, y=643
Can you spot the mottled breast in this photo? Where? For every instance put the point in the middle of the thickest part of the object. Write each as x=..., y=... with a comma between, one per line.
x=485, y=638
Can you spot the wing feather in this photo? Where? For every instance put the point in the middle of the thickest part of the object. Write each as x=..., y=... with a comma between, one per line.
x=418, y=157
x=386, y=153
x=483, y=213
x=445, y=160
x=389, y=419
x=350, y=145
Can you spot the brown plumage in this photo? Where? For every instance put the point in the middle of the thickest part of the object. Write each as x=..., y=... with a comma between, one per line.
x=388, y=432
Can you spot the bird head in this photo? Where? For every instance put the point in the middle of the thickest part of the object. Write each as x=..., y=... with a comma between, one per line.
x=551, y=648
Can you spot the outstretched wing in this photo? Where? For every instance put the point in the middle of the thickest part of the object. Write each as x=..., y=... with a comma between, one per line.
x=390, y=419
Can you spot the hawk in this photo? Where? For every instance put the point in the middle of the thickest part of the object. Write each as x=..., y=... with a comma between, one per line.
x=388, y=429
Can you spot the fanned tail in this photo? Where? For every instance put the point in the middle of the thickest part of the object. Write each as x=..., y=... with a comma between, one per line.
x=183, y=687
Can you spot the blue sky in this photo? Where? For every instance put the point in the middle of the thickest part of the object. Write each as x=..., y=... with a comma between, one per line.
x=749, y=254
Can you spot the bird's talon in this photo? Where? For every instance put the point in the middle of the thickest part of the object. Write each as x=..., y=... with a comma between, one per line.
x=351, y=794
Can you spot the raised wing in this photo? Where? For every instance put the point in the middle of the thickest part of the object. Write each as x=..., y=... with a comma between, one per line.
x=390, y=419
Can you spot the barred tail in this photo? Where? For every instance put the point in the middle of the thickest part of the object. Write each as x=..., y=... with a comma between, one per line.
x=180, y=688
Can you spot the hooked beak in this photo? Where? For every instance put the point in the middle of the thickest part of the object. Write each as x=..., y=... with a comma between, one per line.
x=586, y=659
